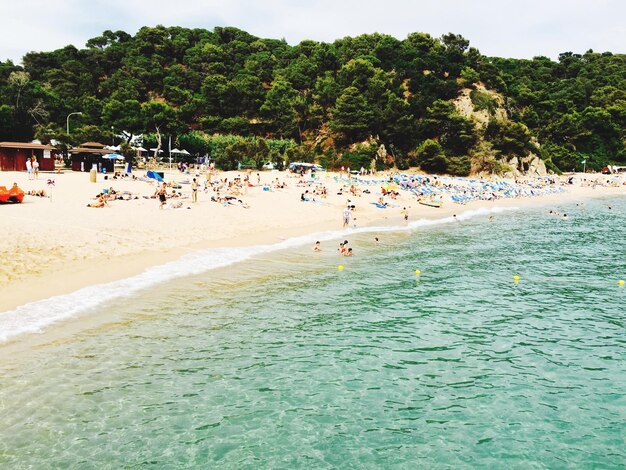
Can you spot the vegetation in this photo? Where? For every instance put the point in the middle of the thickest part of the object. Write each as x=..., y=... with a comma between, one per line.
x=482, y=101
x=240, y=98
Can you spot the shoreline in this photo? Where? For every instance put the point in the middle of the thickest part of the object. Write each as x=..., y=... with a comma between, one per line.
x=69, y=276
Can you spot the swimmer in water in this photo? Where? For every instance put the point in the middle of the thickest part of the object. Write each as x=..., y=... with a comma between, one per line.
x=317, y=247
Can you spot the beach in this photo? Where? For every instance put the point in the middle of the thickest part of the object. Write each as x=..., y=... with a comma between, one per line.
x=56, y=244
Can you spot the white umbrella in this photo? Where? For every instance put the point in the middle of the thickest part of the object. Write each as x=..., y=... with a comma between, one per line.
x=176, y=151
x=184, y=152
x=140, y=149
x=155, y=149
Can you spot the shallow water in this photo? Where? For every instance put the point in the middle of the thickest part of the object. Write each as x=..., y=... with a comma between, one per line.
x=283, y=361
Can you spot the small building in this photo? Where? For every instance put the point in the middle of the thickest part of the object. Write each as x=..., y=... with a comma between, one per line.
x=88, y=154
x=13, y=156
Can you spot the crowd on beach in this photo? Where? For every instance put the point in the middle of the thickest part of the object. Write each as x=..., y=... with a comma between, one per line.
x=383, y=191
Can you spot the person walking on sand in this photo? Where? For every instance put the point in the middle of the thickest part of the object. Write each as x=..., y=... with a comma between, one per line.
x=194, y=190
x=405, y=214
x=162, y=196
x=346, y=217
x=35, y=168
x=29, y=168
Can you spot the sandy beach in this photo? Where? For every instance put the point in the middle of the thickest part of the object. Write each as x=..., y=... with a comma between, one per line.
x=57, y=244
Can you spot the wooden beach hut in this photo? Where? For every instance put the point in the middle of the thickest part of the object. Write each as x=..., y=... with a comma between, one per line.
x=13, y=156
x=89, y=153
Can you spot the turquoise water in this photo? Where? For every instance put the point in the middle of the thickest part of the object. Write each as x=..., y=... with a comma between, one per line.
x=282, y=361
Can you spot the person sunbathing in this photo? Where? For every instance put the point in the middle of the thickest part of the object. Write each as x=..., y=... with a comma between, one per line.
x=100, y=202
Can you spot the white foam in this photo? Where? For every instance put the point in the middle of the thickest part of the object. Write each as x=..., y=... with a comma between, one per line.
x=35, y=316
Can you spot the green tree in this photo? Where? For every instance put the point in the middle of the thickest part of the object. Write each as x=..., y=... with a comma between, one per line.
x=162, y=118
x=430, y=157
x=279, y=109
x=352, y=115
x=124, y=115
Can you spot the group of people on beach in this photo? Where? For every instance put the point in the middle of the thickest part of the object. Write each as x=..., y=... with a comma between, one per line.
x=32, y=168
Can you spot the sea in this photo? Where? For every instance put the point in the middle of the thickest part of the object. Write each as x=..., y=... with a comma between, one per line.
x=493, y=339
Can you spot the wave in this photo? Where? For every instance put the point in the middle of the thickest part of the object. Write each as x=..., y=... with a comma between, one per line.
x=34, y=317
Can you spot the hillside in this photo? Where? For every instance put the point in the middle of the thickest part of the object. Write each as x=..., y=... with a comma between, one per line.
x=230, y=94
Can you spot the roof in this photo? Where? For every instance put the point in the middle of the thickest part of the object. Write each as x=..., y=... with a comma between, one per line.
x=97, y=145
x=25, y=145
x=89, y=150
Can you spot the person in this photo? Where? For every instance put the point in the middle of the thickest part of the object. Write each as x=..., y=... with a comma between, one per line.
x=346, y=217
x=101, y=202
x=36, y=192
x=376, y=240
x=405, y=214
x=194, y=190
x=35, y=168
x=343, y=247
x=162, y=196
x=29, y=168
x=348, y=252
x=317, y=246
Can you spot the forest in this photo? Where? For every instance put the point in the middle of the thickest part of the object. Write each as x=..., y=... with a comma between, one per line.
x=242, y=99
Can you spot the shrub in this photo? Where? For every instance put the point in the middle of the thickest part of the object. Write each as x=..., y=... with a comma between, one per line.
x=361, y=156
x=430, y=157
x=458, y=166
x=482, y=100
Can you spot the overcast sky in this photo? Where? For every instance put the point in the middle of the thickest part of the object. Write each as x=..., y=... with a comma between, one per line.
x=505, y=28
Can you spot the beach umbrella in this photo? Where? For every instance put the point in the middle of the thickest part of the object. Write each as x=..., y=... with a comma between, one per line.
x=113, y=156
x=184, y=152
x=141, y=149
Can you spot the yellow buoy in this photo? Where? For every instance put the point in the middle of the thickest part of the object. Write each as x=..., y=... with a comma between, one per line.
x=340, y=267
x=516, y=278
x=418, y=272
x=621, y=282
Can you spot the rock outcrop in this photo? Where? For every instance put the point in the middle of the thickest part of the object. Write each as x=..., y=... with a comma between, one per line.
x=491, y=108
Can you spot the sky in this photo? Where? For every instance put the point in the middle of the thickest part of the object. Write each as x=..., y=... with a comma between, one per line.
x=503, y=28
